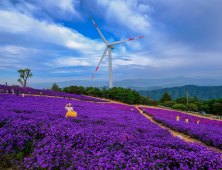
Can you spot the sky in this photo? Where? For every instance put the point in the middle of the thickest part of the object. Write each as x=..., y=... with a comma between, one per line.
x=58, y=41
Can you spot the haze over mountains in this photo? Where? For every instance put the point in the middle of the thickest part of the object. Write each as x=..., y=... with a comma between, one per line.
x=137, y=84
x=202, y=92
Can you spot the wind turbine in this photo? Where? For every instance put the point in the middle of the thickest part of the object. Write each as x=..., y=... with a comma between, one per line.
x=109, y=46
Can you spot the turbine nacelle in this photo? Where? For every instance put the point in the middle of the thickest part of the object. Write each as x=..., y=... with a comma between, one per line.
x=111, y=46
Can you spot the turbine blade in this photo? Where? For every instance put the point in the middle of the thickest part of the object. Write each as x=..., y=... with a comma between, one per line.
x=100, y=62
x=118, y=42
x=99, y=31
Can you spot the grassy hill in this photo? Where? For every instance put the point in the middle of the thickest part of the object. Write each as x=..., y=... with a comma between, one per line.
x=202, y=92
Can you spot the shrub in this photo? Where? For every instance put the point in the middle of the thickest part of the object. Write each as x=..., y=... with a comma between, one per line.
x=217, y=108
x=179, y=106
x=15, y=85
x=169, y=103
x=154, y=103
x=165, y=97
x=192, y=107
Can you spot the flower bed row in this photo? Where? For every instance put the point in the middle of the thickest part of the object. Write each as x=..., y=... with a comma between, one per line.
x=122, y=106
x=49, y=93
x=207, y=131
x=171, y=115
x=210, y=135
x=34, y=134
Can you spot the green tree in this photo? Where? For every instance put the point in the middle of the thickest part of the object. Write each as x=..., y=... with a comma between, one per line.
x=65, y=90
x=82, y=90
x=97, y=92
x=205, y=108
x=195, y=98
x=169, y=103
x=55, y=87
x=104, y=91
x=73, y=90
x=130, y=98
x=15, y=85
x=192, y=107
x=218, y=108
x=182, y=100
x=198, y=103
x=137, y=97
x=87, y=90
x=24, y=74
x=165, y=97
x=90, y=92
x=179, y=106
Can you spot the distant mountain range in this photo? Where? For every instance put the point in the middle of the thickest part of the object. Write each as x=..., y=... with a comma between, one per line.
x=137, y=84
x=202, y=92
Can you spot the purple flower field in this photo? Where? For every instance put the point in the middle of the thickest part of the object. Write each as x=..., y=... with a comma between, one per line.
x=35, y=134
x=171, y=115
x=208, y=131
x=49, y=93
x=122, y=106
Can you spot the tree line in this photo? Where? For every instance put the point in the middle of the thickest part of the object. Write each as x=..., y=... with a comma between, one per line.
x=213, y=106
x=125, y=95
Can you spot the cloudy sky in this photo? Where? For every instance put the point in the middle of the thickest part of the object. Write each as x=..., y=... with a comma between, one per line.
x=57, y=40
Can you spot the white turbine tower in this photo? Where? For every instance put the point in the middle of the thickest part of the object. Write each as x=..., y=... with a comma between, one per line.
x=109, y=46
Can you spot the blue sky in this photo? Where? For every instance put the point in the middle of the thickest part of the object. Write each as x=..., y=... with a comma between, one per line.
x=57, y=40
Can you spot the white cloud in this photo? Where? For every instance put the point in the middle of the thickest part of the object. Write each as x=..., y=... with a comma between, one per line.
x=128, y=13
x=41, y=31
x=70, y=61
x=63, y=9
x=135, y=45
x=16, y=52
x=66, y=71
x=60, y=9
x=123, y=50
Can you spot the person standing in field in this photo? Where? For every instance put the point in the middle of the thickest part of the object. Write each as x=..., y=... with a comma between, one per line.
x=69, y=98
x=17, y=92
x=29, y=93
x=186, y=120
x=12, y=91
x=178, y=118
x=23, y=94
x=64, y=97
x=40, y=93
x=70, y=112
x=131, y=109
x=0, y=90
x=198, y=121
x=7, y=91
x=6, y=83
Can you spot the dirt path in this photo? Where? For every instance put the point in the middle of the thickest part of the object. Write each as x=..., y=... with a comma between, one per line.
x=174, y=133
x=186, y=138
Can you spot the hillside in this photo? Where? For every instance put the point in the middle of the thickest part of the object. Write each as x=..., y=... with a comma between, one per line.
x=202, y=92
